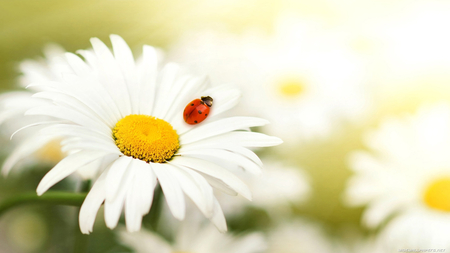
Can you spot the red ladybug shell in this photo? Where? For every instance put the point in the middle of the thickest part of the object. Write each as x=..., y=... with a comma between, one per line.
x=197, y=110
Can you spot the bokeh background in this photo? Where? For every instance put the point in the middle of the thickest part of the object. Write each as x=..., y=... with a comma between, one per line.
x=403, y=54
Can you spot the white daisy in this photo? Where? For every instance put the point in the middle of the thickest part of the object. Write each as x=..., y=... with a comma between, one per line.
x=300, y=236
x=128, y=122
x=412, y=57
x=407, y=171
x=304, y=79
x=195, y=239
x=278, y=188
x=416, y=230
x=14, y=104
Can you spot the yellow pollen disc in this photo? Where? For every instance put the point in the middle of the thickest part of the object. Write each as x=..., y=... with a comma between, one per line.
x=291, y=87
x=51, y=152
x=146, y=138
x=437, y=195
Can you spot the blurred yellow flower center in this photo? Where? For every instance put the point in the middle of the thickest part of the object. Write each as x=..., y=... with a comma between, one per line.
x=146, y=138
x=51, y=152
x=291, y=87
x=437, y=195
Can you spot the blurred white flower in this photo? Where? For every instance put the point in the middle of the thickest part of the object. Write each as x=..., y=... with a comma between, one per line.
x=364, y=244
x=300, y=236
x=406, y=172
x=303, y=78
x=412, y=40
x=13, y=105
x=275, y=190
x=196, y=239
x=417, y=230
x=126, y=122
x=411, y=57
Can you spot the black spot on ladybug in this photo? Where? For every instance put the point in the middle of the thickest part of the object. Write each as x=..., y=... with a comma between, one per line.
x=206, y=115
x=195, y=121
x=192, y=104
x=199, y=112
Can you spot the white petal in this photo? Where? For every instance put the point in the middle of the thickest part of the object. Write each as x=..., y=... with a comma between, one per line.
x=168, y=76
x=115, y=176
x=78, y=65
x=146, y=180
x=91, y=170
x=224, y=99
x=113, y=207
x=214, y=171
x=91, y=205
x=90, y=58
x=246, y=139
x=26, y=148
x=125, y=59
x=219, y=185
x=133, y=215
x=219, y=127
x=172, y=190
x=111, y=76
x=147, y=81
x=218, y=218
x=60, y=99
x=18, y=99
x=190, y=91
x=232, y=148
x=5, y=115
x=92, y=92
x=14, y=104
x=68, y=114
x=75, y=130
x=35, y=124
x=69, y=145
x=85, y=90
x=173, y=96
x=47, y=85
x=180, y=125
x=226, y=157
x=379, y=210
x=66, y=167
x=196, y=187
x=145, y=242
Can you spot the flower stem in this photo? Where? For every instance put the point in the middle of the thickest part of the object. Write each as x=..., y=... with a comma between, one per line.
x=155, y=211
x=81, y=240
x=55, y=198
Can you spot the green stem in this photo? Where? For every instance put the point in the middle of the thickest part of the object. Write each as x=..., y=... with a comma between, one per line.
x=53, y=197
x=81, y=240
x=155, y=211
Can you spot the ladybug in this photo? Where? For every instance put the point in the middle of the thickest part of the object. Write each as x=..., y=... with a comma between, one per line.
x=197, y=110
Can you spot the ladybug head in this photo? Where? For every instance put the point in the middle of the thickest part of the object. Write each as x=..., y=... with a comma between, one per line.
x=207, y=100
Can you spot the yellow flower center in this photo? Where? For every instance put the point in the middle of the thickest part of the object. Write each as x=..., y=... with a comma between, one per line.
x=146, y=138
x=51, y=152
x=437, y=195
x=291, y=87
